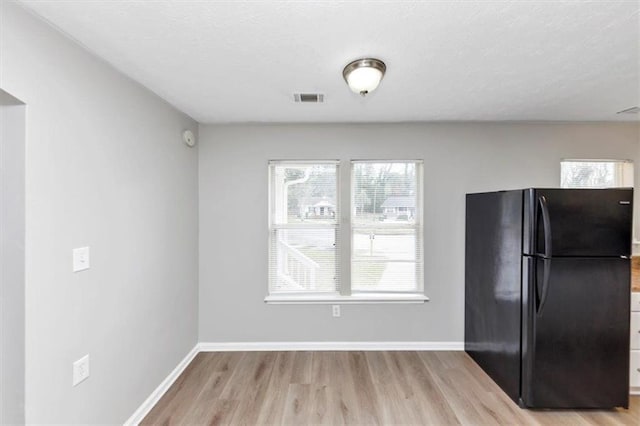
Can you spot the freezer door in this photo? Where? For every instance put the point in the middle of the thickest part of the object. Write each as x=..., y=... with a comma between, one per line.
x=578, y=222
x=576, y=333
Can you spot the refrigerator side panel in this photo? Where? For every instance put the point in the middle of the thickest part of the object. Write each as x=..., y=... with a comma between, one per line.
x=493, y=285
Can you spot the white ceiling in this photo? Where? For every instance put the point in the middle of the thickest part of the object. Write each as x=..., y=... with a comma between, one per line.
x=230, y=61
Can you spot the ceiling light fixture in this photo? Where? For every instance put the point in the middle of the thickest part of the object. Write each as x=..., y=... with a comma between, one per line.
x=364, y=75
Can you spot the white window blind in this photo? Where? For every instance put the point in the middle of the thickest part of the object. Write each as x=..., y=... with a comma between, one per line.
x=596, y=173
x=303, y=228
x=386, y=229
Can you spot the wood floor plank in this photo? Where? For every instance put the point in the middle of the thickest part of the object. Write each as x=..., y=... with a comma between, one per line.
x=320, y=374
x=297, y=405
x=177, y=400
x=272, y=410
x=219, y=412
x=413, y=401
x=336, y=388
x=434, y=406
x=490, y=401
x=367, y=398
x=319, y=409
x=208, y=408
x=492, y=405
x=255, y=390
x=342, y=398
x=302, y=368
x=460, y=396
x=396, y=408
x=501, y=407
x=240, y=376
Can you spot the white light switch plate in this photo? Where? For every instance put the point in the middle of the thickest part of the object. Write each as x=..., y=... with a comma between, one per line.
x=81, y=370
x=80, y=259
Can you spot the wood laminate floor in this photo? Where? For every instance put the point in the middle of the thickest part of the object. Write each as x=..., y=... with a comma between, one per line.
x=334, y=388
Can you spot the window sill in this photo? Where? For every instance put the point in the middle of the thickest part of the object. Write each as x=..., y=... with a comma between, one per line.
x=346, y=300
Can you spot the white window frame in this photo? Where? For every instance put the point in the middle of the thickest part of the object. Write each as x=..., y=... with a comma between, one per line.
x=273, y=226
x=344, y=233
x=417, y=226
x=626, y=181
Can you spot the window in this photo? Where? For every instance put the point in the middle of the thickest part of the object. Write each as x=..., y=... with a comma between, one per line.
x=303, y=228
x=386, y=230
x=309, y=246
x=596, y=173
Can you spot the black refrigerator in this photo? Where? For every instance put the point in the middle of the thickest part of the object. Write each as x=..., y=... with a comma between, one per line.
x=547, y=294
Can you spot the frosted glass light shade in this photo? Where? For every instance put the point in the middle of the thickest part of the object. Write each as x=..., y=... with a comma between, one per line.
x=364, y=79
x=364, y=75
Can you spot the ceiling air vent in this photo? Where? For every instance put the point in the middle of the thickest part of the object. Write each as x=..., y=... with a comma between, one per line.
x=632, y=110
x=309, y=98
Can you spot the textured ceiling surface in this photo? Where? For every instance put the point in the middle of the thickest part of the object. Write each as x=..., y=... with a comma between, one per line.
x=232, y=61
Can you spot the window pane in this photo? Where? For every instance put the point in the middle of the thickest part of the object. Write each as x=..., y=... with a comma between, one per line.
x=303, y=229
x=384, y=244
x=596, y=174
x=304, y=193
x=303, y=260
x=386, y=233
x=384, y=193
x=384, y=276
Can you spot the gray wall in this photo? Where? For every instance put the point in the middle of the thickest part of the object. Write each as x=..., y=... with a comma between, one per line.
x=12, y=141
x=105, y=167
x=458, y=158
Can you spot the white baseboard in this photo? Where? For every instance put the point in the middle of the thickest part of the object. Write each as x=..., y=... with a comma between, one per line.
x=329, y=346
x=155, y=396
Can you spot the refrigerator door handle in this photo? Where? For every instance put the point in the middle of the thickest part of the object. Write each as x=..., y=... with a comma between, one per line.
x=535, y=295
x=546, y=224
x=545, y=284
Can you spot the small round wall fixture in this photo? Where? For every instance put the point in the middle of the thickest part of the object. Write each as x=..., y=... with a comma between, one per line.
x=364, y=75
x=189, y=138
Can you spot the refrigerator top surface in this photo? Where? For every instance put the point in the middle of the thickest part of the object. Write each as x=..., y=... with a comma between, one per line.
x=552, y=189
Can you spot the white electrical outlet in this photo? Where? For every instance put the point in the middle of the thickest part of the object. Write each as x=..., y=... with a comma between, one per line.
x=336, y=310
x=81, y=370
x=80, y=259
